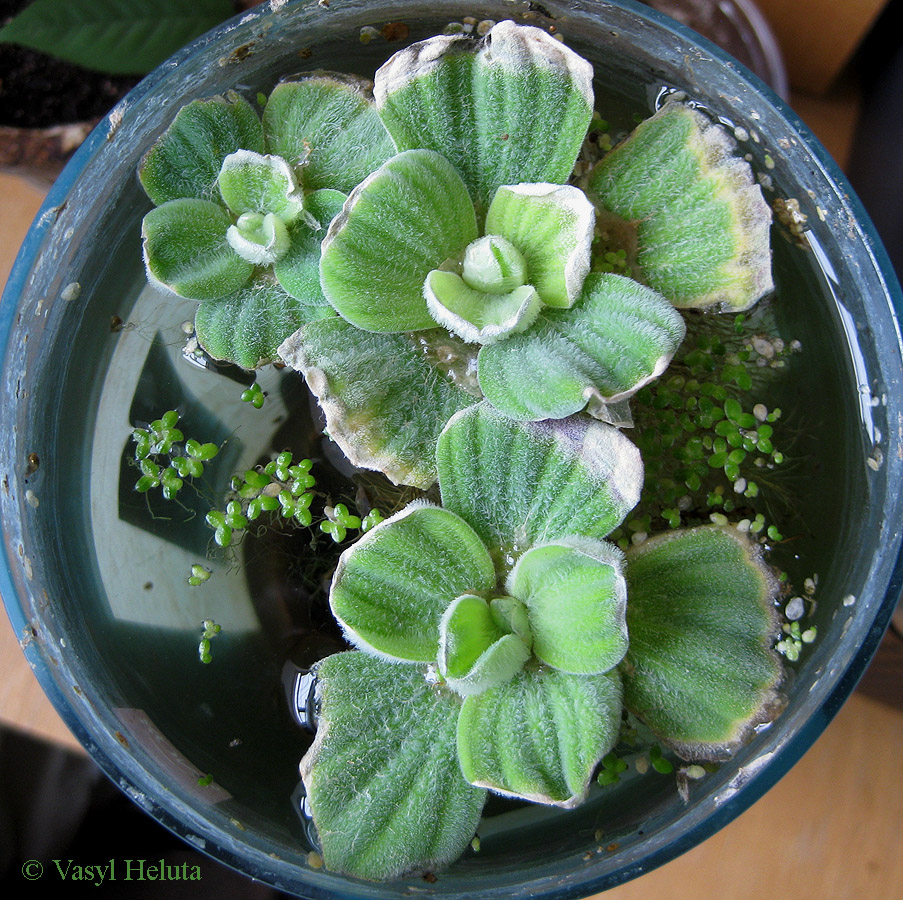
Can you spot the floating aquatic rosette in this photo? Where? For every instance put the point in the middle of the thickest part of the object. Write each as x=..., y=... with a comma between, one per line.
x=496, y=633
x=243, y=204
x=468, y=258
x=478, y=623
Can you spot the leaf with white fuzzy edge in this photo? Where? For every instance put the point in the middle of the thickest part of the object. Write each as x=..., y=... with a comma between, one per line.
x=511, y=108
x=540, y=735
x=260, y=183
x=384, y=403
x=391, y=588
x=400, y=223
x=186, y=159
x=298, y=271
x=326, y=123
x=259, y=239
x=576, y=599
x=475, y=652
x=186, y=250
x=701, y=671
x=702, y=224
x=477, y=317
x=618, y=337
x=519, y=484
x=247, y=326
x=382, y=776
x=552, y=226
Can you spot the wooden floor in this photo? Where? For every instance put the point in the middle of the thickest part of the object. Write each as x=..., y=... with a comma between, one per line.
x=832, y=829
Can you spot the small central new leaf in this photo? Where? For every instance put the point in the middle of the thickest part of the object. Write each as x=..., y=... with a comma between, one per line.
x=475, y=651
x=256, y=183
x=493, y=265
x=259, y=239
x=466, y=632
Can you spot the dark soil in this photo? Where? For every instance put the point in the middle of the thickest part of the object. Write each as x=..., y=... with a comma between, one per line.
x=37, y=91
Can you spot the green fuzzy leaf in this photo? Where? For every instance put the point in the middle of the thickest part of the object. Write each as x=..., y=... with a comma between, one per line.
x=256, y=183
x=576, y=598
x=260, y=239
x=477, y=317
x=467, y=630
x=391, y=588
x=702, y=224
x=540, y=735
x=384, y=403
x=403, y=221
x=299, y=270
x=187, y=251
x=186, y=159
x=700, y=671
x=384, y=806
x=618, y=337
x=247, y=327
x=328, y=125
x=519, y=484
x=512, y=108
x=511, y=617
x=552, y=226
x=475, y=653
x=120, y=37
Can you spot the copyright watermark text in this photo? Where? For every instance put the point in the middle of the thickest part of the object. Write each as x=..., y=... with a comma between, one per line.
x=111, y=870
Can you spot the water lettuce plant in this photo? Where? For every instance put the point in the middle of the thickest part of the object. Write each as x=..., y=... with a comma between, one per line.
x=495, y=643
x=242, y=203
x=471, y=256
x=437, y=266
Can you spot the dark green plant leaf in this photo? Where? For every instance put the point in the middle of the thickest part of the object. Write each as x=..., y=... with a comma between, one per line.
x=702, y=224
x=247, y=327
x=540, y=735
x=404, y=220
x=186, y=250
x=391, y=588
x=700, y=670
x=186, y=159
x=328, y=125
x=575, y=597
x=385, y=787
x=519, y=484
x=512, y=108
x=120, y=37
x=384, y=402
x=619, y=336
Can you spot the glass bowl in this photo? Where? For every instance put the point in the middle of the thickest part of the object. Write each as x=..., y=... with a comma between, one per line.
x=94, y=575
